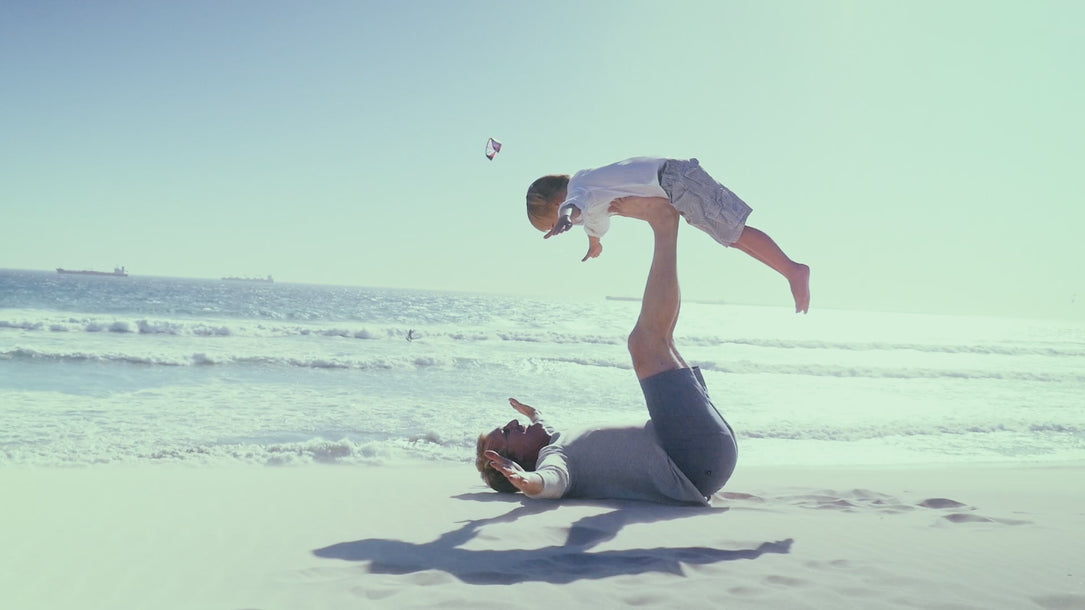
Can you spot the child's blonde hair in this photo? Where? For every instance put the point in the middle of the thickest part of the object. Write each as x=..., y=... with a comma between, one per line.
x=541, y=197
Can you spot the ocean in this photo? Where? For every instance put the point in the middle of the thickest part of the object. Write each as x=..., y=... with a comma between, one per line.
x=154, y=370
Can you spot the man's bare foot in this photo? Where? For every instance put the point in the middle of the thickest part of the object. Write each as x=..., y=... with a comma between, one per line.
x=651, y=209
x=800, y=287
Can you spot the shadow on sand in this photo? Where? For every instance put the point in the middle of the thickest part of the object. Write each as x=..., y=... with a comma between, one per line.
x=568, y=562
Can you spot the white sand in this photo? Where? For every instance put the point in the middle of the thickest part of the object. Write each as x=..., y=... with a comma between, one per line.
x=421, y=537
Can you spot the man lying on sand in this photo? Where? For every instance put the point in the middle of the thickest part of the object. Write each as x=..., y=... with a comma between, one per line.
x=683, y=455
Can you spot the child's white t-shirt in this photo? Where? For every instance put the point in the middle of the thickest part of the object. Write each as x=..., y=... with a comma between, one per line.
x=592, y=190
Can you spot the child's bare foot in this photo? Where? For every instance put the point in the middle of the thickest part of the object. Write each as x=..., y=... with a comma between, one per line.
x=800, y=287
x=650, y=209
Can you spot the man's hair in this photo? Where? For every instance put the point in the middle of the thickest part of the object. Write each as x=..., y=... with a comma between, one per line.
x=540, y=198
x=493, y=478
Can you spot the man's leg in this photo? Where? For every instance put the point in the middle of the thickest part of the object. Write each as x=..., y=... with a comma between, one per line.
x=690, y=429
x=651, y=344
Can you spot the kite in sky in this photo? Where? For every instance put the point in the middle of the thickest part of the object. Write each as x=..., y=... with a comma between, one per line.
x=492, y=148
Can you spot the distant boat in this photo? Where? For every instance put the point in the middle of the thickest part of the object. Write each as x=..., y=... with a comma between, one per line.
x=266, y=280
x=117, y=272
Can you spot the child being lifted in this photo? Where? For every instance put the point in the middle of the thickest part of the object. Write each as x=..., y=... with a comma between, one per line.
x=555, y=203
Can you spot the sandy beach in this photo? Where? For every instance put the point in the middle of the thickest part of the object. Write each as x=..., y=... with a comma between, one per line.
x=985, y=536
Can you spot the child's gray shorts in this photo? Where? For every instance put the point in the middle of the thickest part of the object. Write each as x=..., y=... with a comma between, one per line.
x=703, y=202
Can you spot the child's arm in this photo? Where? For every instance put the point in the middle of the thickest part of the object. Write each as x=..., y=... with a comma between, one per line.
x=595, y=248
x=565, y=221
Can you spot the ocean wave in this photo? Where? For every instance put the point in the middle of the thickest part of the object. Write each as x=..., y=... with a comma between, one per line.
x=452, y=359
x=251, y=329
x=791, y=432
x=276, y=454
x=428, y=447
x=613, y=363
x=114, y=327
x=746, y=367
x=559, y=338
x=881, y=346
x=36, y=355
x=146, y=327
x=22, y=325
x=205, y=359
x=214, y=330
x=52, y=322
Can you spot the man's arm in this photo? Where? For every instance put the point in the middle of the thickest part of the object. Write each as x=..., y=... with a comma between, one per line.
x=531, y=483
x=550, y=481
x=526, y=410
x=553, y=470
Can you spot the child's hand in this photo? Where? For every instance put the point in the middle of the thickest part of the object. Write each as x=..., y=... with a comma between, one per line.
x=562, y=225
x=595, y=248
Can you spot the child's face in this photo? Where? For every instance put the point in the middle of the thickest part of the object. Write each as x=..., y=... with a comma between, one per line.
x=552, y=214
x=546, y=220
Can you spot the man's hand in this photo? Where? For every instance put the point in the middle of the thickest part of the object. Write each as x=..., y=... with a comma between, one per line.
x=525, y=410
x=562, y=225
x=595, y=248
x=527, y=482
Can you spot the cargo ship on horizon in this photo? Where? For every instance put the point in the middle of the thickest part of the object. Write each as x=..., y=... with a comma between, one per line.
x=117, y=272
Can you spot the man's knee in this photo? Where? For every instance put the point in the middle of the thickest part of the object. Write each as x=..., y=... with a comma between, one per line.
x=652, y=352
x=643, y=343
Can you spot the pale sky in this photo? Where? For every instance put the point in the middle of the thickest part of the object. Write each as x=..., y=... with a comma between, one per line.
x=919, y=156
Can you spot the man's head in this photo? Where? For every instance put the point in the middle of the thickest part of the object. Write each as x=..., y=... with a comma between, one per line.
x=544, y=197
x=516, y=442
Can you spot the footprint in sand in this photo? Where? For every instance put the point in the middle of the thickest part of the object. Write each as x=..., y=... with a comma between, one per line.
x=940, y=503
x=972, y=518
x=785, y=581
x=967, y=518
x=732, y=495
x=960, y=517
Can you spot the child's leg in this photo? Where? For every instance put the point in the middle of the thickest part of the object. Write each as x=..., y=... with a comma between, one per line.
x=716, y=210
x=760, y=246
